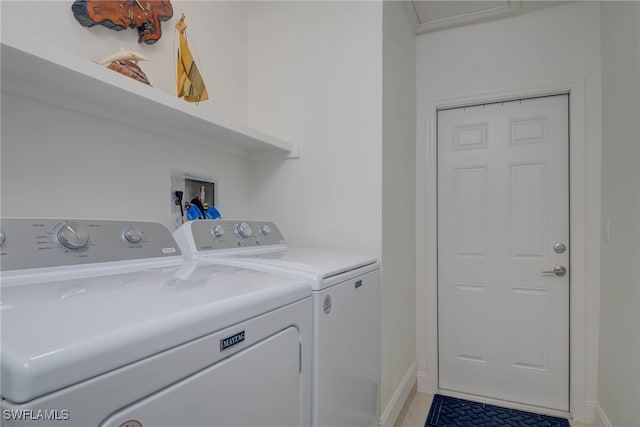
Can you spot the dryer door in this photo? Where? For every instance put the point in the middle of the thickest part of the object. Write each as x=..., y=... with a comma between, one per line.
x=259, y=386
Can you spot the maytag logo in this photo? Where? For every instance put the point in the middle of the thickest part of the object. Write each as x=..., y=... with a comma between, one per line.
x=225, y=343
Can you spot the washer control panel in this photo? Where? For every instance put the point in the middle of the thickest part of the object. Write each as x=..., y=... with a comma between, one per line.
x=220, y=234
x=41, y=242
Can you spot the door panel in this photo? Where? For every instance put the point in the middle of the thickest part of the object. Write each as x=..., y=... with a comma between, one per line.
x=470, y=208
x=503, y=202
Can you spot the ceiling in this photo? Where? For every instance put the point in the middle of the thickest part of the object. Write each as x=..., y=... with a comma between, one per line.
x=428, y=15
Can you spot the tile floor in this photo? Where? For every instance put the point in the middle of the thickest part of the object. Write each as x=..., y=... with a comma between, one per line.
x=416, y=413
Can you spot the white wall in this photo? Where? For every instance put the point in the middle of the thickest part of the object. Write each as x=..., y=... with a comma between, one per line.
x=315, y=78
x=78, y=166
x=557, y=46
x=398, y=209
x=619, y=363
x=61, y=163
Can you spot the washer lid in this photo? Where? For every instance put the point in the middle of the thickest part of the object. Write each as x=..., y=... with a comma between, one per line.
x=57, y=334
x=323, y=264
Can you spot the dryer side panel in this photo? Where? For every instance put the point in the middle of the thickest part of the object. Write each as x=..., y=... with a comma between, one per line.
x=346, y=369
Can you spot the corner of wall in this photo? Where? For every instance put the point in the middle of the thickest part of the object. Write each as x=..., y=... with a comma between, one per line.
x=601, y=418
x=389, y=416
x=427, y=383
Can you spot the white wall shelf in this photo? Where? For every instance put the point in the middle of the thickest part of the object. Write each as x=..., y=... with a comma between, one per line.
x=39, y=71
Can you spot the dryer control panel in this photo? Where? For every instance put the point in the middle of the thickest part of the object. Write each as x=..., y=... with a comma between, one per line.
x=225, y=234
x=28, y=243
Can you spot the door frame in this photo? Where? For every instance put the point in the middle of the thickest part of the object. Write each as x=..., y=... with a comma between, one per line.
x=584, y=264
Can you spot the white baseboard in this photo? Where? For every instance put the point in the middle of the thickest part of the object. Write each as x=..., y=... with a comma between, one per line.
x=426, y=383
x=391, y=412
x=601, y=418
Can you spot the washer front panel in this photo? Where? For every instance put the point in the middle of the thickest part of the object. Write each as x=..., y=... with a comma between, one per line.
x=256, y=387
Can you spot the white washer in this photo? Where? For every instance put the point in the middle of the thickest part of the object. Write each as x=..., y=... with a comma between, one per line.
x=104, y=324
x=346, y=310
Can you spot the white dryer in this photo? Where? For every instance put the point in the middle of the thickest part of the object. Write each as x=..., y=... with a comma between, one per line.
x=104, y=324
x=346, y=310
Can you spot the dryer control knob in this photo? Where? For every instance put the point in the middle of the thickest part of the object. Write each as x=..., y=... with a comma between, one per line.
x=3, y=238
x=133, y=234
x=218, y=231
x=244, y=229
x=265, y=230
x=72, y=235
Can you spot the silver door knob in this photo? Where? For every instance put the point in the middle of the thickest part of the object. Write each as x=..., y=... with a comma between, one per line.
x=560, y=270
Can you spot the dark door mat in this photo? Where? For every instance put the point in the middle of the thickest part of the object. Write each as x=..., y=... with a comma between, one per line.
x=452, y=412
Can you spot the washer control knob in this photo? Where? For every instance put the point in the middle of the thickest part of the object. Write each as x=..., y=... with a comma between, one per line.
x=265, y=230
x=133, y=234
x=244, y=229
x=72, y=235
x=3, y=238
x=218, y=231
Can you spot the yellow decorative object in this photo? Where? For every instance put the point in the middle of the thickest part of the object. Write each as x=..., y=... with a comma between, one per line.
x=190, y=83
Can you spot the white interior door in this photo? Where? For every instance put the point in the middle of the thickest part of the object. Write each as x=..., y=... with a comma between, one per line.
x=503, y=210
